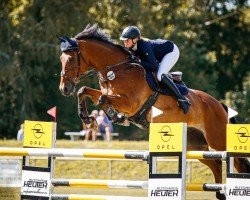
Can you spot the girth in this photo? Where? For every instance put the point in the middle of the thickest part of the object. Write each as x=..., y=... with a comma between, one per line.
x=141, y=116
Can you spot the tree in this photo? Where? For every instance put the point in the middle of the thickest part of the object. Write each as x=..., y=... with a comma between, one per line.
x=240, y=101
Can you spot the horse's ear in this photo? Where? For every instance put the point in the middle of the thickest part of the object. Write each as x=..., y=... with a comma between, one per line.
x=87, y=27
x=69, y=40
x=61, y=39
x=95, y=26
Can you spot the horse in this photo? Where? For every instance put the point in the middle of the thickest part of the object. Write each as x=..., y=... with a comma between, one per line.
x=124, y=91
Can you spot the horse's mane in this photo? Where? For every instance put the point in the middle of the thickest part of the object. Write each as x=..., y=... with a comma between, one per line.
x=94, y=32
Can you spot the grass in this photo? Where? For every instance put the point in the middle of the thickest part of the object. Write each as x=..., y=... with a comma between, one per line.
x=122, y=170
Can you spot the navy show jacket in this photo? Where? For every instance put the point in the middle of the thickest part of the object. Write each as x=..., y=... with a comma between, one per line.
x=151, y=52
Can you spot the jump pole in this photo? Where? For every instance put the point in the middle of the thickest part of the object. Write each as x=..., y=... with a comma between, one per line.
x=112, y=184
x=102, y=153
x=79, y=153
x=93, y=197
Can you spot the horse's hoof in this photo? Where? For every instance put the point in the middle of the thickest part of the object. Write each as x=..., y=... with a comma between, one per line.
x=220, y=196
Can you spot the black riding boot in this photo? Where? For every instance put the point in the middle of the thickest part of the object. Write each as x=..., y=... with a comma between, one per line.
x=183, y=102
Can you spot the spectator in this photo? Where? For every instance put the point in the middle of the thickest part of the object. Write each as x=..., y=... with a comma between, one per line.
x=89, y=132
x=104, y=125
x=20, y=133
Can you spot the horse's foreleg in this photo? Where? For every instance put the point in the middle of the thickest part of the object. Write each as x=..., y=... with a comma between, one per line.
x=93, y=95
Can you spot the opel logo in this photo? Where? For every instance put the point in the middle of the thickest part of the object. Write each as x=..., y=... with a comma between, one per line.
x=38, y=131
x=166, y=133
x=243, y=135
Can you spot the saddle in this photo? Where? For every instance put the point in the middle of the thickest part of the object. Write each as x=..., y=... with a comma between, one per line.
x=155, y=85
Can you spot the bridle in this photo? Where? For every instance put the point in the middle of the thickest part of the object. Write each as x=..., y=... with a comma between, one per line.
x=87, y=73
x=66, y=71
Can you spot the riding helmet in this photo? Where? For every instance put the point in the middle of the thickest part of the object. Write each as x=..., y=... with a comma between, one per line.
x=130, y=32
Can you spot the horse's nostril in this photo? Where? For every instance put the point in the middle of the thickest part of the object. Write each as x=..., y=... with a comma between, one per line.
x=65, y=89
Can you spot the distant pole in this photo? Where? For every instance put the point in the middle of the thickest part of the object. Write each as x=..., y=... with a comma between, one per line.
x=207, y=23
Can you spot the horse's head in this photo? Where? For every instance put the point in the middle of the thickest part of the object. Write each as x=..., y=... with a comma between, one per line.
x=73, y=65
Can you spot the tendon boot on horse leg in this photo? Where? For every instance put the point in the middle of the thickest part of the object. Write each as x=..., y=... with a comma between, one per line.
x=112, y=114
x=103, y=100
x=183, y=102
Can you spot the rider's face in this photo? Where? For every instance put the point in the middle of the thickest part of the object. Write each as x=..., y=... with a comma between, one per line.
x=128, y=43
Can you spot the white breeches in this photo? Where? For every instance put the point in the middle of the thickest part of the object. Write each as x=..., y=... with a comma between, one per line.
x=168, y=62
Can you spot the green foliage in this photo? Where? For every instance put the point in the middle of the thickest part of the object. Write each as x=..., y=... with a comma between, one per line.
x=240, y=101
x=214, y=55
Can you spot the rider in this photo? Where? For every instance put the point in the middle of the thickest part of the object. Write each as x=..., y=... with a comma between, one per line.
x=157, y=56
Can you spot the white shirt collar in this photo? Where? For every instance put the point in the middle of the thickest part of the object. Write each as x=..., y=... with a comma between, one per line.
x=135, y=47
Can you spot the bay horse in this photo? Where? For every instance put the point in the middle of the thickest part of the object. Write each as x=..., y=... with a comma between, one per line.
x=124, y=91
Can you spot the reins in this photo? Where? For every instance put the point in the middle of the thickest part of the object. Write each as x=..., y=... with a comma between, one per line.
x=91, y=72
x=115, y=65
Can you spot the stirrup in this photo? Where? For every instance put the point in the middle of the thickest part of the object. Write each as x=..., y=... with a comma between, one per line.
x=186, y=100
x=184, y=104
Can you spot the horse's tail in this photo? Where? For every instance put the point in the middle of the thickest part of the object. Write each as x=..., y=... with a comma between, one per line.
x=232, y=120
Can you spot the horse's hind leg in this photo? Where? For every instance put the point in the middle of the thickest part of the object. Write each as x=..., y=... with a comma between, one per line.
x=216, y=167
x=197, y=142
x=242, y=165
